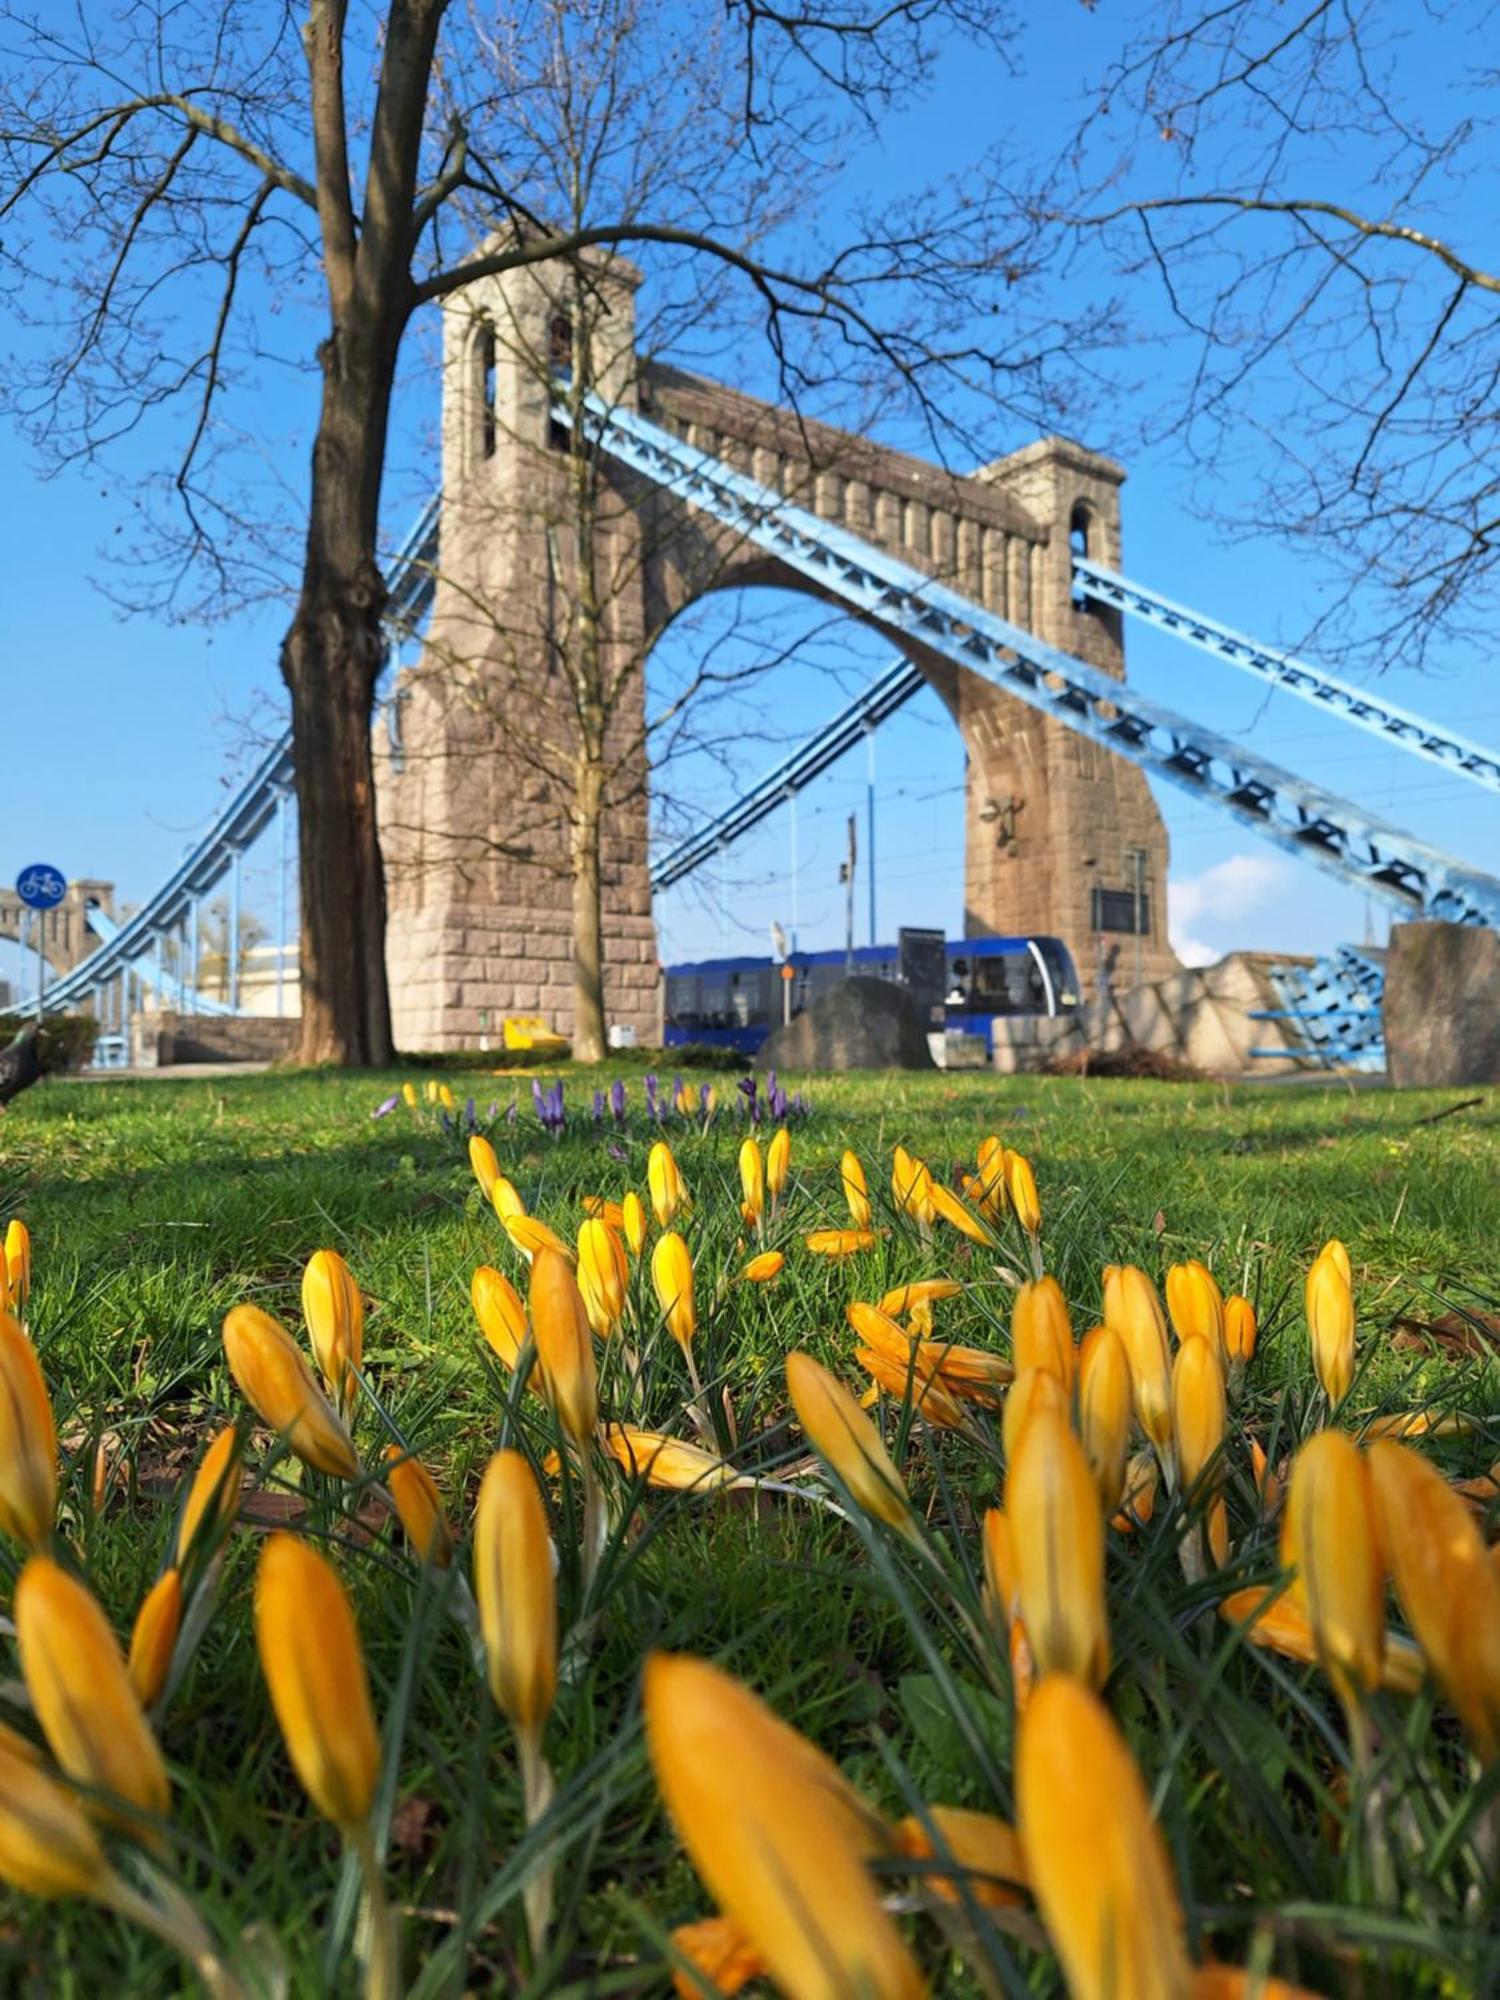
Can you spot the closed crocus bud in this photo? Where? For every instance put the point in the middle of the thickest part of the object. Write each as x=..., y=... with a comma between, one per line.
x=1133, y=1309
x=47, y=1846
x=419, y=1507
x=778, y=1162
x=667, y=1461
x=752, y=1183
x=486, y=1165
x=515, y=1591
x=1057, y=1539
x=529, y=1235
x=1020, y=1185
x=1330, y=1321
x=1106, y=1407
x=911, y=1187
x=992, y=1194
x=856, y=1190
x=213, y=1498
x=505, y=1199
x=409, y=1096
x=81, y=1692
x=1199, y=1416
x=847, y=1442
x=767, y=1824
x=500, y=1312
x=762, y=1269
x=1095, y=1858
x=28, y=1441
x=1239, y=1328
x=18, y=1264
x=1041, y=1334
x=153, y=1638
x=672, y=1275
x=603, y=1276
x=973, y=1848
x=1330, y=1535
x=922, y=1292
x=633, y=1222
x=1448, y=1585
x=947, y=1207
x=664, y=1184
x=1033, y=1389
x=311, y=1658
x=1195, y=1304
x=564, y=1345
x=1199, y=1419
x=278, y=1384
x=840, y=1242
x=1334, y=1248
x=335, y=1315
x=446, y=1097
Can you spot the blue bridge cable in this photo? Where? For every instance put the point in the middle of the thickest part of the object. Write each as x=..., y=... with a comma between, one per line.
x=1301, y=818
x=1385, y=719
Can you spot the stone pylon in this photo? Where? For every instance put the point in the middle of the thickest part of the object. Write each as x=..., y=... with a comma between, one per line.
x=477, y=785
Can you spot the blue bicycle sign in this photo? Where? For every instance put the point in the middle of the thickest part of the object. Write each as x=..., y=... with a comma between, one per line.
x=41, y=887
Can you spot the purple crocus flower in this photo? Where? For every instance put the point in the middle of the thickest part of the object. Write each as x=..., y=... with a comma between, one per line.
x=617, y=1100
x=617, y=1153
x=445, y=1121
x=511, y=1111
x=386, y=1106
x=471, y=1116
x=651, y=1106
x=705, y=1091
x=598, y=1107
x=493, y=1113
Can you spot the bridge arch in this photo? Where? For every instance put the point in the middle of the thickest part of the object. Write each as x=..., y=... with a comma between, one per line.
x=479, y=892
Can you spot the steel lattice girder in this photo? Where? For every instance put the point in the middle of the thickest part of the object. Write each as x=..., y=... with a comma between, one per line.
x=892, y=690
x=1299, y=817
x=1385, y=719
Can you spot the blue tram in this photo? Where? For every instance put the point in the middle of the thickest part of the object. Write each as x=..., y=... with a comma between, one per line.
x=734, y=1002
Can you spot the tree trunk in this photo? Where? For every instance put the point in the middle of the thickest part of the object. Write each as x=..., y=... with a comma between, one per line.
x=331, y=659
x=588, y=915
x=346, y=1010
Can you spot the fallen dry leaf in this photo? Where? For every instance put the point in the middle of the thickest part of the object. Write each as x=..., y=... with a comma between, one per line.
x=1455, y=1335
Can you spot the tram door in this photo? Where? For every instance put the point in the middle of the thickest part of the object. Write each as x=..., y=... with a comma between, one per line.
x=923, y=958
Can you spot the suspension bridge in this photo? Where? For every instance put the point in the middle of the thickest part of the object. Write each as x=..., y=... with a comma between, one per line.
x=951, y=635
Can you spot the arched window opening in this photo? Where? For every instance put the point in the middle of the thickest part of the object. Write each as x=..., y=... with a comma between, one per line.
x=559, y=369
x=484, y=387
x=1078, y=545
x=560, y=346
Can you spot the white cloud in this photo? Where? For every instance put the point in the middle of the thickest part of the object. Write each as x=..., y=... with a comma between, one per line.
x=1224, y=894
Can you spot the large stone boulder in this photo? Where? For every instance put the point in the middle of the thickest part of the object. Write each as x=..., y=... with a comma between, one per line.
x=862, y=1024
x=1442, y=1005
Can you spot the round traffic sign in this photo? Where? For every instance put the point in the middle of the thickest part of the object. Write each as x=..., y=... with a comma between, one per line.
x=41, y=887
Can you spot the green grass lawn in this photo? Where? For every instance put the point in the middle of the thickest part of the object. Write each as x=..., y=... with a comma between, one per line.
x=156, y=1207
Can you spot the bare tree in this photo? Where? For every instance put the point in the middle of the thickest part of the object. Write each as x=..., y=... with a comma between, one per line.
x=225, y=196
x=1294, y=181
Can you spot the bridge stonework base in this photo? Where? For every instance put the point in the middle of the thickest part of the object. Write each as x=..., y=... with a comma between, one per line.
x=478, y=777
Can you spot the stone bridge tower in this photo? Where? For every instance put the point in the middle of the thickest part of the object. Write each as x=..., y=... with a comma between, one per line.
x=1062, y=836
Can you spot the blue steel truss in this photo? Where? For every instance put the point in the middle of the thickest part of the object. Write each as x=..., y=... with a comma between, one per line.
x=1335, y=834
x=1334, y=1006
x=890, y=691
x=411, y=583
x=1324, y=690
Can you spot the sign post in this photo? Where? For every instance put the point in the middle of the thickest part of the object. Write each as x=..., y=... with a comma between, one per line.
x=41, y=887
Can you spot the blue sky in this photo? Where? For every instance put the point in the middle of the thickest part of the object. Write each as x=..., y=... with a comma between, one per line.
x=122, y=733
